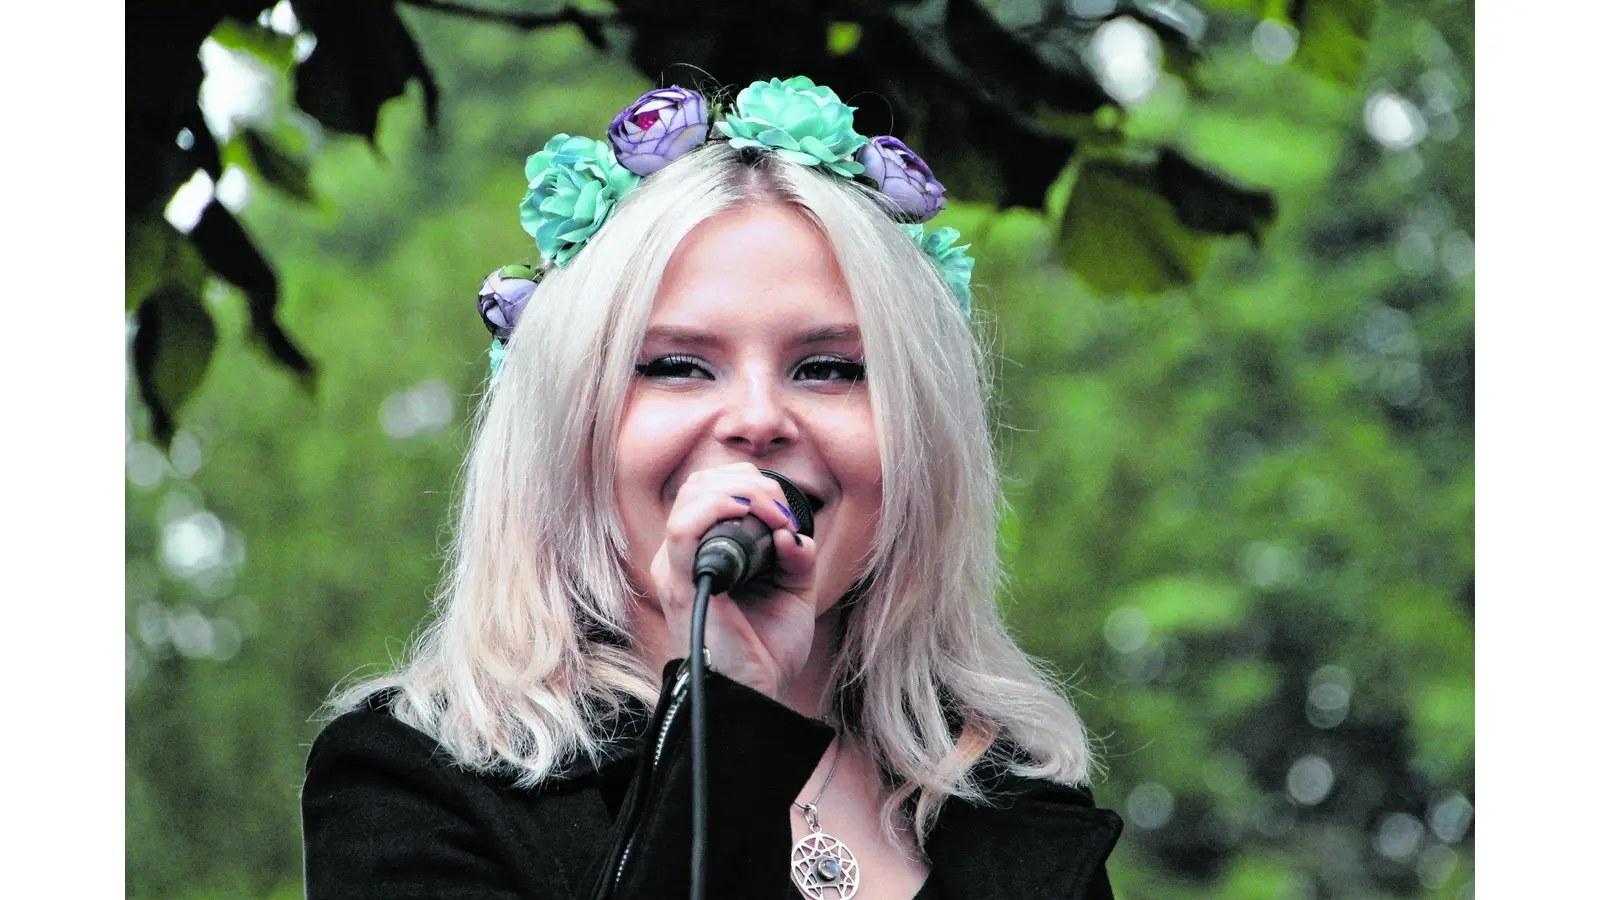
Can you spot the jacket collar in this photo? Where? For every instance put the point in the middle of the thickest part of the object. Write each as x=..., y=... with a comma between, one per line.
x=1032, y=840
x=1037, y=840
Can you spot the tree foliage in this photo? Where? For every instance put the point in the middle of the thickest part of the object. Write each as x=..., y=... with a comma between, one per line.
x=1000, y=98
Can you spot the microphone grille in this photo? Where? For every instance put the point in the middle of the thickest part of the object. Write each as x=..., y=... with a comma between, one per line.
x=798, y=504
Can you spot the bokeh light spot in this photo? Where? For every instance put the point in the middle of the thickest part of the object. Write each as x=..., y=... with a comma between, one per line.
x=1398, y=836
x=233, y=188
x=189, y=202
x=1394, y=121
x=1127, y=629
x=423, y=409
x=146, y=466
x=1414, y=252
x=281, y=18
x=1126, y=57
x=185, y=455
x=1455, y=254
x=193, y=543
x=1450, y=818
x=1327, y=705
x=1150, y=806
x=1270, y=565
x=1310, y=780
x=1435, y=865
x=1274, y=42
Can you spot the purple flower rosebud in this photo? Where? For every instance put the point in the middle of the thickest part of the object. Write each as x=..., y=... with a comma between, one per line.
x=903, y=177
x=658, y=128
x=505, y=293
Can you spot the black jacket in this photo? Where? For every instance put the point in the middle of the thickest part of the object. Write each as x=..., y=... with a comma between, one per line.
x=387, y=814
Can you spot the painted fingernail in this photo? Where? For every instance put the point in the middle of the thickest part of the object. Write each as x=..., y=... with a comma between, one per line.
x=792, y=520
x=797, y=541
x=744, y=500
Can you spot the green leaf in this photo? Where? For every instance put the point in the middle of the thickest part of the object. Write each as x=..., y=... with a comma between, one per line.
x=1120, y=235
x=171, y=351
x=843, y=37
x=273, y=49
x=364, y=57
x=230, y=253
x=1186, y=604
x=1333, y=34
x=1333, y=37
x=158, y=254
x=1146, y=227
x=276, y=167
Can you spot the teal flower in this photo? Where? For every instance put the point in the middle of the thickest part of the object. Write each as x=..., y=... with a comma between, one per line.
x=497, y=358
x=952, y=262
x=798, y=120
x=572, y=185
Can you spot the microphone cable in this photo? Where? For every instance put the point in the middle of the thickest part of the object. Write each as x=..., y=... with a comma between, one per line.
x=724, y=570
x=699, y=780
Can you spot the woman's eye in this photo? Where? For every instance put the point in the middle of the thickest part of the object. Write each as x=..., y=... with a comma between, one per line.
x=831, y=368
x=672, y=367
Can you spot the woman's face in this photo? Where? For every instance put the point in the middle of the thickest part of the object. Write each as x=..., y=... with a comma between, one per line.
x=753, y=354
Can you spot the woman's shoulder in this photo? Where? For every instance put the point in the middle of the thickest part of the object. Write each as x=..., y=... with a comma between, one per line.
x=369, y=750
x=372, y=730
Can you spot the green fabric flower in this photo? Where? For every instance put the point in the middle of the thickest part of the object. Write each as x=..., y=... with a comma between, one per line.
x=497, y=358
x=952, y=262
x=798, y=120
x=572, y=185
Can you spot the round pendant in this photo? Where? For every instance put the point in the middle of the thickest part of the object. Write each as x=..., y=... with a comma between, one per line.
x=823, y=868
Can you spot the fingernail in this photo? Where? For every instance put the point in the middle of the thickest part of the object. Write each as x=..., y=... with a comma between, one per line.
x=797, y=541
x=792, y=520
x=744, y=500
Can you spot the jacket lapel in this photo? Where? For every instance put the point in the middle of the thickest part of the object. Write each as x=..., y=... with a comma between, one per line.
x=1047, y=843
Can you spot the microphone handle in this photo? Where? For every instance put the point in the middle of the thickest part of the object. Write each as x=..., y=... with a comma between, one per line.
x=733, y=551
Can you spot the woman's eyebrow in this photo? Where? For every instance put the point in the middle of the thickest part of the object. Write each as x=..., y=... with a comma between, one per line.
x=681, y=335
x=828, y=334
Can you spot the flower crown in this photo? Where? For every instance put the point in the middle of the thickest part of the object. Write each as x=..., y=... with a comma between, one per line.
x=575, y=182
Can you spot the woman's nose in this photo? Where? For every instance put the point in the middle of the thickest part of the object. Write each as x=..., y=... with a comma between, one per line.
x=755, y=418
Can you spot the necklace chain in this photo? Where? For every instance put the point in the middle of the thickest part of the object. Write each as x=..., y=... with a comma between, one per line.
x=811, y=807
x=821, y=866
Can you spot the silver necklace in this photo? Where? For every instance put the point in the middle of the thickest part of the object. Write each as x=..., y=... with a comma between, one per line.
x=821, y=866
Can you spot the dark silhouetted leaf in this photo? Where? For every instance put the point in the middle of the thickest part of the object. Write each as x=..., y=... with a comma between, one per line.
x=1209, y=201
x=276, y=167
x=1047, y=68
x=171, y=351
x=230, y=253
x=1120, y=235
x=364, y=57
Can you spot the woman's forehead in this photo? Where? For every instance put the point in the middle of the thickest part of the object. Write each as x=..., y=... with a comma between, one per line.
x=765, y=264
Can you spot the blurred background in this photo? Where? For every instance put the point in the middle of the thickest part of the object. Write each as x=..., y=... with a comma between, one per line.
x=1224, y=257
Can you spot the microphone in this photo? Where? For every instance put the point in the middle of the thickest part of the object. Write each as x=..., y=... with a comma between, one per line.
x=734, y=551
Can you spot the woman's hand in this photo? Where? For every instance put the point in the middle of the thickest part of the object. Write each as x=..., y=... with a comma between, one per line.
x=761, y=635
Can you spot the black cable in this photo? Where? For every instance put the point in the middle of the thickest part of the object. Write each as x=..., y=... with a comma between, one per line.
x=699, y=782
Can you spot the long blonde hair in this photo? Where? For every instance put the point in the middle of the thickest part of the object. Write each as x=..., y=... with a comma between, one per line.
x=529, y=653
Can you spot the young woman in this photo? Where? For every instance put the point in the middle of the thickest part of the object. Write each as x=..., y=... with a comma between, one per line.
x=873, y=730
